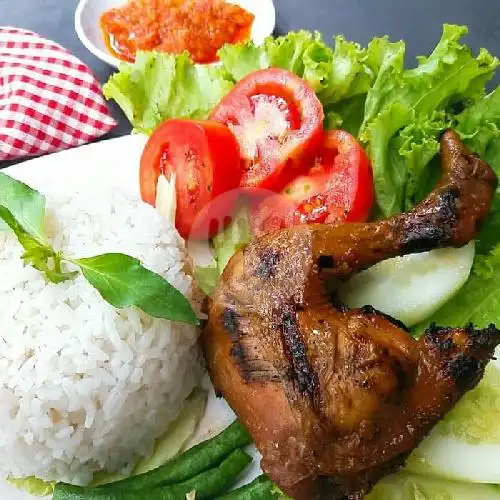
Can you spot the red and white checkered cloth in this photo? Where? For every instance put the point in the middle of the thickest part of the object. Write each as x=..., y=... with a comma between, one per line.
x=49, y=100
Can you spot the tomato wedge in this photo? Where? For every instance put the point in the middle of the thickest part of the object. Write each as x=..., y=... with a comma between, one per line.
x=338, y=188
x=205, y=159
x=278, y=122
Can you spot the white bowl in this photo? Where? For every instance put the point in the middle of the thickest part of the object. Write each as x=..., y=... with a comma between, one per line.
x=88, y=13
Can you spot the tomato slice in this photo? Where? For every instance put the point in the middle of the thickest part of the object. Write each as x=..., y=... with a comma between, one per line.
x=278, y=121
x=205, y=158
x=338, y=188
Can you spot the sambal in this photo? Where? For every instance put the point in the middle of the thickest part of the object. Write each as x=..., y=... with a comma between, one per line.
x=200, y=27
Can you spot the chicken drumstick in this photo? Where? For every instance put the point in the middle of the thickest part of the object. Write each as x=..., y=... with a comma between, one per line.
x=335, y=398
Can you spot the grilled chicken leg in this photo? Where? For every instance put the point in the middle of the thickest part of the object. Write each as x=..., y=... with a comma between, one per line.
x=337, y=398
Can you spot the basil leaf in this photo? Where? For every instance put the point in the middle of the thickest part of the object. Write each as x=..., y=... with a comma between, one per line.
x=25, y=204
x=124, y=282
x=37, y=253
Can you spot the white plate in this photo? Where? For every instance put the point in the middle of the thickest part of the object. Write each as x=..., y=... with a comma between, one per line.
x=89, y=12
x=107, y=162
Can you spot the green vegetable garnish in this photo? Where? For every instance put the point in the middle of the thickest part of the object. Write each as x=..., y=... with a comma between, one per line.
x=207, y=277
x=207, y=485
x=121, y=280
x=33, y=486
x=225, y=244
x=158, y=86
x=170, y=444
x=406, y=110
x=214, y=482
x=124, y=282
x=191, y=463
x=37, y=253
x=26, y=205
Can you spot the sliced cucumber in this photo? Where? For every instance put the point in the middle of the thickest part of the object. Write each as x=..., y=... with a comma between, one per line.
x=465, y=445
x=413, y=287
x=404, y=486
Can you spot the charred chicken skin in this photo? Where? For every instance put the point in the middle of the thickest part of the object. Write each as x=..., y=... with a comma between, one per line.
x=334, y=398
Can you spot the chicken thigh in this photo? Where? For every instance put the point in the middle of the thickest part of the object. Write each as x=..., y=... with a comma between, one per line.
x=335, y=398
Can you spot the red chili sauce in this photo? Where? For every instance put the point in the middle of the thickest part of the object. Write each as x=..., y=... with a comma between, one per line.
x=200, y=27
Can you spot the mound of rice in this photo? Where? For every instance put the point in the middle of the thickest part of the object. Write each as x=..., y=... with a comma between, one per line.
x=83, y=386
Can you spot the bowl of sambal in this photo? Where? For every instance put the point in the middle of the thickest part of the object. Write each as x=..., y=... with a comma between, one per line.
x=114, y=30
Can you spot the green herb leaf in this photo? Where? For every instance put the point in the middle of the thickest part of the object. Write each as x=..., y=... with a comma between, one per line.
x=37, y=253
x=124, y=282
x=25, y=204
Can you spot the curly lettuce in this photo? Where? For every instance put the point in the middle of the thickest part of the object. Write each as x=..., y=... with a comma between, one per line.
x=407, y=110
x=158, y=86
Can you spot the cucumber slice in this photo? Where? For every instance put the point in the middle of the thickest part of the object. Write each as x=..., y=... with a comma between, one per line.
x=413, y=287
x=465, y=445
x=404, y=486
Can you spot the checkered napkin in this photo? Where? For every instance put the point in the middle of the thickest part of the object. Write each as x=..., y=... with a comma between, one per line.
x=49, y=100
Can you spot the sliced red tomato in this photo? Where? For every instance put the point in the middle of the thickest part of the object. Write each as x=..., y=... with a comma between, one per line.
x=205, y=158
x=338, y=188
x=278, y=122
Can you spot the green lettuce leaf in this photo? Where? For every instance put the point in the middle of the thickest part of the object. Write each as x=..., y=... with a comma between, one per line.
x=207, y=276
x=416, y=145
x=347, y=114
x=225, y=245
x=232, y=239
x=479, y=125
x=159, y=86
x=335, y=74
x=33, y=486
x=489, y=237
x=301, y=52
x=417, y=105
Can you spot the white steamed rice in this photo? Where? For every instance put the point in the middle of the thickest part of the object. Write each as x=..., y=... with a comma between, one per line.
x=83, y=386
